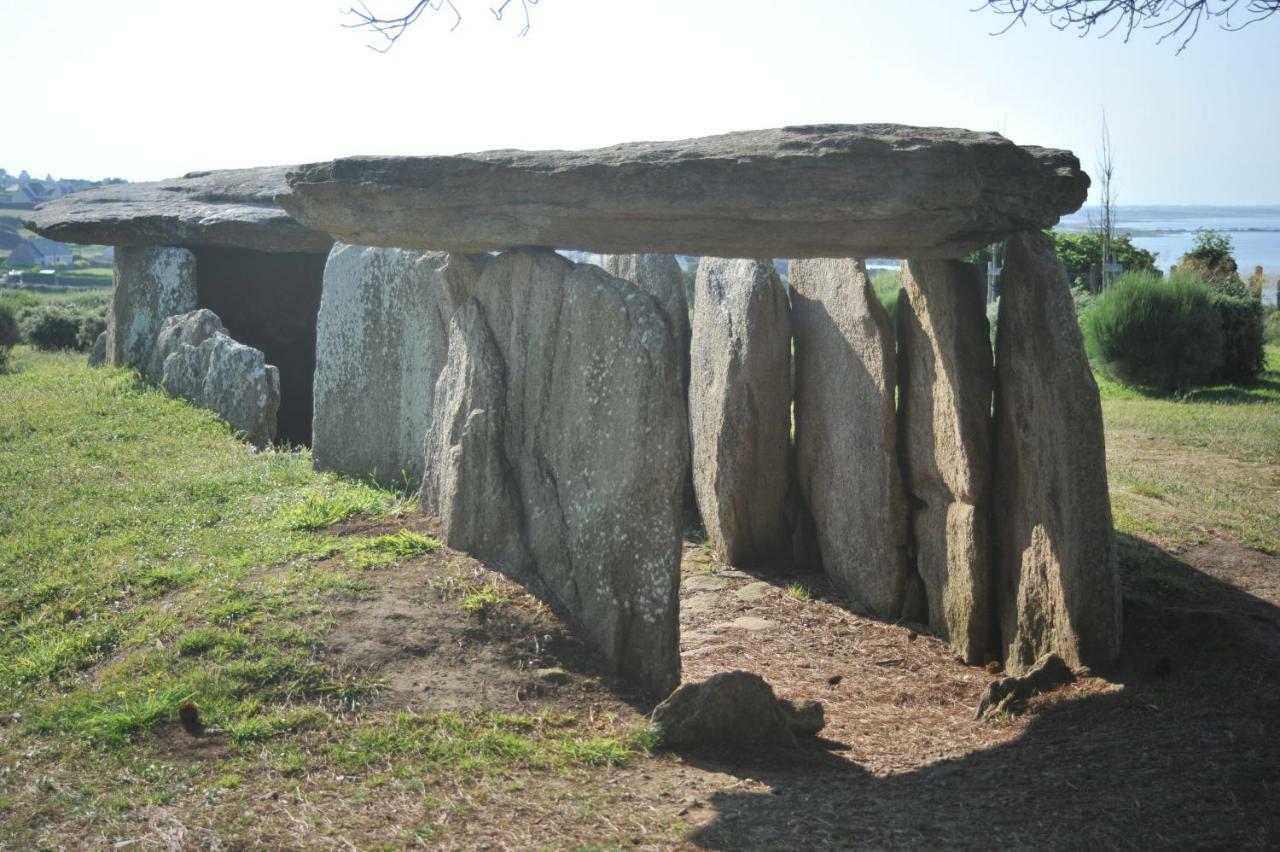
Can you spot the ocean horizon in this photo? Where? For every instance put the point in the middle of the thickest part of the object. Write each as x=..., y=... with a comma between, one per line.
x=1169, y=230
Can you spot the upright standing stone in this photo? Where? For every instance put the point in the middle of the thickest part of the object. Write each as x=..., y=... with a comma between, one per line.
x=660, y=276
x=945, y=379
x=560, y=405
x=1056, y=578
x=740, y=407
x=151, y=283
x=846, y=456
x=381, y=342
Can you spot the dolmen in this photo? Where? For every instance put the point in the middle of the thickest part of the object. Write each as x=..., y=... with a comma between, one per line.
x=213, y=240
x=557, y=416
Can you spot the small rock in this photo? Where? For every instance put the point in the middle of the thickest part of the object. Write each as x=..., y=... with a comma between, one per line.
x=754, y=591
x=704, y=583
x=1049, y=672
x=554, y=675
x=804, y=717
x=751, y=622
x=733, y=708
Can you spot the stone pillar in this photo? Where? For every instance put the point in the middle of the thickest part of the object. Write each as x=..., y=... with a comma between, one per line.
x=945, y=380
x=740, y=407
x=1057, y=585
x=660, y=276
x=556, y=450
x=381, y=341
x=847, y=461
x=151, y=283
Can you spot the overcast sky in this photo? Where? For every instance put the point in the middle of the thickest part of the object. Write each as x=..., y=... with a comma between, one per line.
x=146, y=89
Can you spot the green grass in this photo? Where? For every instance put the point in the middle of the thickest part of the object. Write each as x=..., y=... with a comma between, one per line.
x=1184, y=469
x=147, y=558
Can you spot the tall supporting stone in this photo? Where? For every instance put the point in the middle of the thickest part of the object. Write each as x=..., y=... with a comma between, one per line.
x=660, y=276
x=845, y=432
x=556, y=448
x=151, y=283
x=945, y=379
x=740, y=407
x=381, y=342
x=1056, y=577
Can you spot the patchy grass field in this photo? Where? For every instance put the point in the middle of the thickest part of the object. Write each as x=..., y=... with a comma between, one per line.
x=1186, y=471
x=204, y=646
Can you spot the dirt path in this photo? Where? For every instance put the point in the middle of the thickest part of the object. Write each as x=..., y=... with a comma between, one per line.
x=1179, y=746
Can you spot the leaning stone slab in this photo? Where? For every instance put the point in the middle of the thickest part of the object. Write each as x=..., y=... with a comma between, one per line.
x=559, y=405
x=230, y=208
x=230, y=379
x=151, y=283
x=818, y=191
x=945, y=380
x=381, y=342
x=846, y=444
x=1057, y=586
x=189, y=329
x=740, y=407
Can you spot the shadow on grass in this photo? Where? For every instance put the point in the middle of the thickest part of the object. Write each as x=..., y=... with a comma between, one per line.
x=1266, y=389
x=1186, y=754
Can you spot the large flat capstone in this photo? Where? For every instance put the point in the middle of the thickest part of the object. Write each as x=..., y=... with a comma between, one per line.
x=232, y=208
x=818, y=191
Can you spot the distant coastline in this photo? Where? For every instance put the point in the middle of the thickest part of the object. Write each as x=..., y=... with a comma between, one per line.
x=1169, y=231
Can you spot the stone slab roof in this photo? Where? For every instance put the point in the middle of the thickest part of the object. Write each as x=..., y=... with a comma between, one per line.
x=231, y=208
x=815, y=191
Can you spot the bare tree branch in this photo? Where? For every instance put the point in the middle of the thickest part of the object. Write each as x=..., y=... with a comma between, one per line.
x=388, y=30
x=1179, y=20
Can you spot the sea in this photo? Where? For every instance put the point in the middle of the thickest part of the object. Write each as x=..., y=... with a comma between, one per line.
x=1169, y=231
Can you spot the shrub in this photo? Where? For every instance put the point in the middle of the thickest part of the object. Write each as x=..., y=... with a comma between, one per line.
x=1243, y=349
x=1271, y=327
x=91, y=326
x=51, y=326
x=1212, y=262
x=1166, y=336
x=1078, y=252
x=9, y=334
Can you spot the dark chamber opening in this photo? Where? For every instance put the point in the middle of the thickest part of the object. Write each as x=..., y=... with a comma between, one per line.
x=270, y=301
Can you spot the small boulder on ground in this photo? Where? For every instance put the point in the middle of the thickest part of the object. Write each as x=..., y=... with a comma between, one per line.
x=1048, y=673
x=734, y=708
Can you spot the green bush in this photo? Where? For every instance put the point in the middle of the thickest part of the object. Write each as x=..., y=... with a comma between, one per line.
x=1166, y=336
x=1212, y=261
x=9, y=334
x=91, y=325
x=1078, y=252
x=51, y=326
x=1271, y=327
x=1243, y=349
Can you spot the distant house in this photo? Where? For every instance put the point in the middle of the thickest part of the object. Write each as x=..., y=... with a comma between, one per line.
x=37, y=251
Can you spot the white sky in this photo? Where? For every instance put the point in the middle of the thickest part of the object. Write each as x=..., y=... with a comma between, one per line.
x=145, y=89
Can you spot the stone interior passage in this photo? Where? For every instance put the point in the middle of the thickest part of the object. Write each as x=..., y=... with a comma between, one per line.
x=270, y=301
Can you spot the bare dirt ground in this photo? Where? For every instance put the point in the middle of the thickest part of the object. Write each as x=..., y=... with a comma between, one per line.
x=1179, y=746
